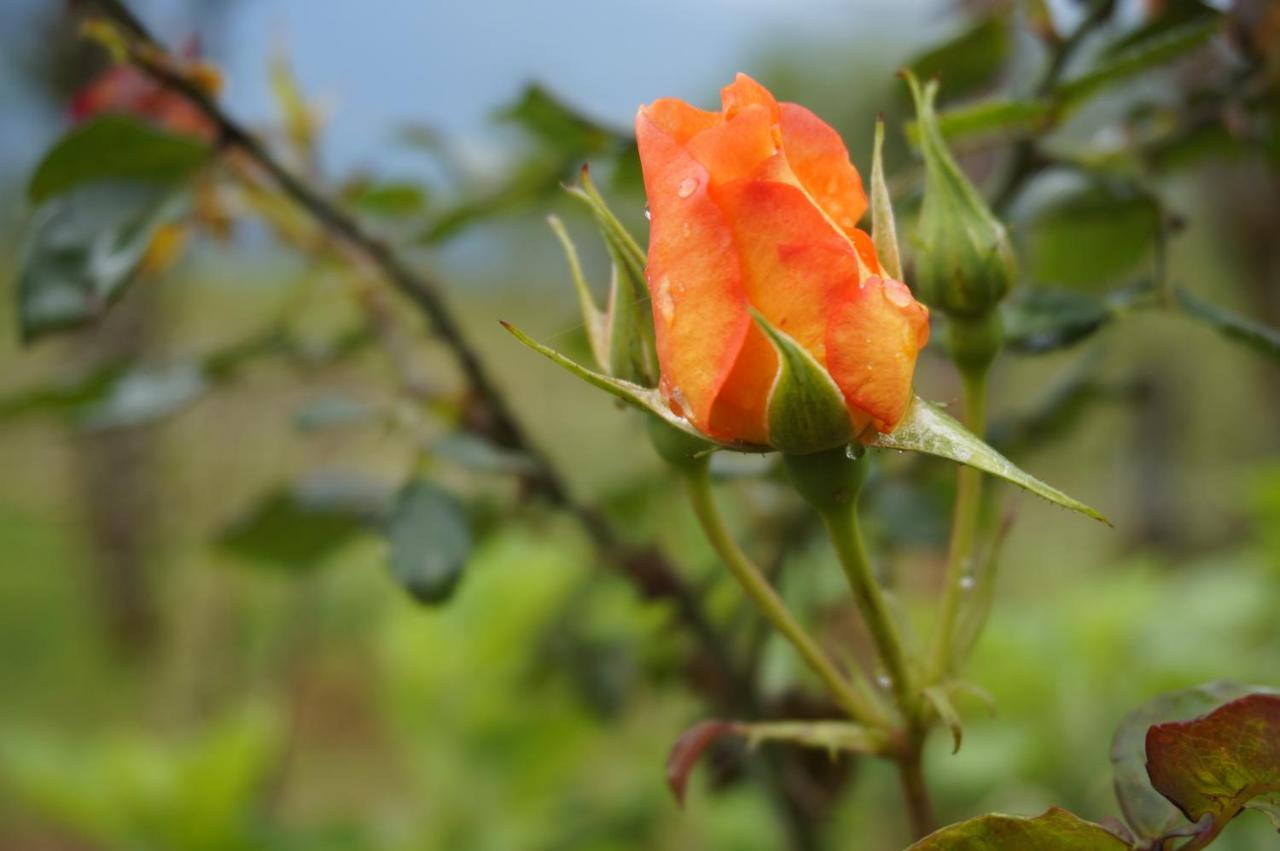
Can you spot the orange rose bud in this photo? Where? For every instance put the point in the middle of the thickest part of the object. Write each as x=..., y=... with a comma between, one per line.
x=754, y=210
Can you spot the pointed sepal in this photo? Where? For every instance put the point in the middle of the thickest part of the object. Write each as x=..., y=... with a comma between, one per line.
x=926, y=428
x=883, y=231
x=595, y=319
x=631, y=353
x=645, y=398
x=806, y=409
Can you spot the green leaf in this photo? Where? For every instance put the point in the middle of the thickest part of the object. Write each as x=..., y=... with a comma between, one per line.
x=807, y=412
x=1146, y=810
x=970, y=60
x=480, y=456
x=1220, y=763
x=883, y=231
x=83, y=246
x=645, y=398
x=556, y=124
x=1150, y=53
x=296, y=527
x=333, y=410
x=941, y=704
x=925, y=428
x=831, y=736
x=390, y=199
x=1261, y=338
x=1055, y=830
x=631, y=352
x=429, y=541
x=1043, y=319
x=1089, y=237
x=115, y=147
x=1171, y=16
x=593, y=318
x=989, y=117
x=141, y=396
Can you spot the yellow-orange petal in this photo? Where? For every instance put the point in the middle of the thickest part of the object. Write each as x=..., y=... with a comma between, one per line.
x=744, y=92
x=737, y=147
x=791, y=259
x=820, y=160
x=699, y=308
x=874, y=333
x=679, y=120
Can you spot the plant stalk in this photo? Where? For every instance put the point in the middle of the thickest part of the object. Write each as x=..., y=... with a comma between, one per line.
x=852, y=700
x=914, y=790
x=846, y=535
x=964, y=530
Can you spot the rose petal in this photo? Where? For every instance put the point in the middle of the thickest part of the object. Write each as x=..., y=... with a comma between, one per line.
x=874, y=333
x=821, y=162
x=744, y=92
x=791, y=260
x=699, y=308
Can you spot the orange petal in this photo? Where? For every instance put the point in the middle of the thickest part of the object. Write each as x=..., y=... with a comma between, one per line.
x=679, y=120
x=791, y=260
x=821, y=162
x=874, y=333
x=791, y=256
x=737, y=147
x=699, y=309
x=744, y=92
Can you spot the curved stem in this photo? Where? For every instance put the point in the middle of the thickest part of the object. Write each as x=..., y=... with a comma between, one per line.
x=915, y=793
x=846, y=536
x=852, y=700
x=964, y=529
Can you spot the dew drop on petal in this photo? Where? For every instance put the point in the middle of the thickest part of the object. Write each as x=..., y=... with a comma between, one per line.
x=662, y=296
x=648, y=215
x=686, y=187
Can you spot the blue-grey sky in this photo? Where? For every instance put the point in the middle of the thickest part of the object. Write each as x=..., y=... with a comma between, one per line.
x=376, y=65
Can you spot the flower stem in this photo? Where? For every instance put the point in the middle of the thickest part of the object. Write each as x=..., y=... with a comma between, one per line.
x=915, y=793
x=964, y=529
x=852, y=700
x=846, y=535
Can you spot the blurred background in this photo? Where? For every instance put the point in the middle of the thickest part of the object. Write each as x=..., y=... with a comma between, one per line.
x=203, y=641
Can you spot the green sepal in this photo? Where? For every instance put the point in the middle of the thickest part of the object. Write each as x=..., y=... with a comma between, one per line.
x=645, y=398
x=631, y=353
x=925, y=428
x=883, y=232
x=806, y=409
x=595, y=319
x=965, y=264
x=940, y=702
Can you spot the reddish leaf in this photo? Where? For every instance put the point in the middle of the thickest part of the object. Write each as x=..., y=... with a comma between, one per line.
x=1221, y=762
x=688, y=749
x=1054, y=830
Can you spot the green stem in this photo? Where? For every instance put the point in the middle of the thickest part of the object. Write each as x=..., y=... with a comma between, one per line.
x=846, y=536
x=964, y=529
x=914, y=790
x=853, y=701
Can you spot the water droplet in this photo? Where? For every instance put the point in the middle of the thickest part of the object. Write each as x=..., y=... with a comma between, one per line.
x=662, y=295
x=648, y=215
x=686, y=187
x=967, y=583
x=883, y=680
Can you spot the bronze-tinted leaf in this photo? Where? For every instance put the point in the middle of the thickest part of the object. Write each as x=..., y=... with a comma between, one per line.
x=1055, y=830
x=1222, y=762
